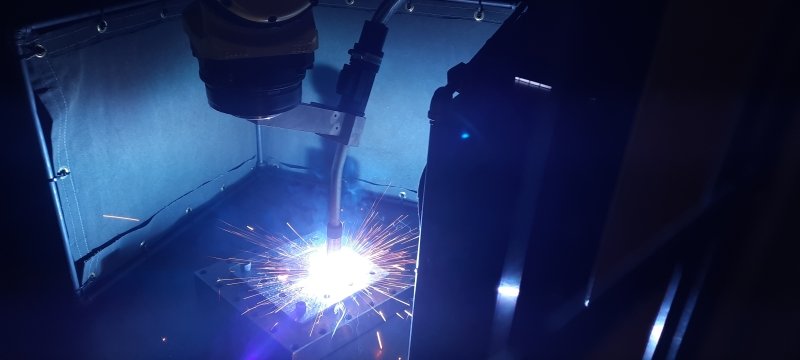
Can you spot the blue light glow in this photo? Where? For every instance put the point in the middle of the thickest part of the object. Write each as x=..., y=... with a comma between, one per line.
x=508, y=291
x=464, y=135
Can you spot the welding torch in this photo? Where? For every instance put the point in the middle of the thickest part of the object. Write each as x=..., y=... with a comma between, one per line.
x=354, y=85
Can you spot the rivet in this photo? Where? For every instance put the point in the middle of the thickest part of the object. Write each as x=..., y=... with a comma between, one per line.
x=62, y=172
x=102, y=26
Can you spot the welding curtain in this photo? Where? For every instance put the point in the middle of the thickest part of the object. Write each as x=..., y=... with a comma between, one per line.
x=129, y=130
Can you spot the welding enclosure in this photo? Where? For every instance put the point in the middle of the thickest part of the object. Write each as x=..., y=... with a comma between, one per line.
x=103, y=98
x=136, y=157
x=592, y=180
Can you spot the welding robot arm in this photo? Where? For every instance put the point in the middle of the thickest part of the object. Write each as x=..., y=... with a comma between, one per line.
x=253, y=56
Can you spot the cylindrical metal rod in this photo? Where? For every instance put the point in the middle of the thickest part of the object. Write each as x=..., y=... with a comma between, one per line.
x=334, y=241
x=73, y=273
x=90, y=14
x=486, y=3
x=386, y=9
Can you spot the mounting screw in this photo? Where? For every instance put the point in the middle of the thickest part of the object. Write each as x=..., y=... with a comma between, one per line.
x=403, y=195
x=479, y=15
x=409, y=7
x=222, y=188
x=188, y=210
x=40, y=51
x=163, y=13
x=349, y=2
x=143, y=245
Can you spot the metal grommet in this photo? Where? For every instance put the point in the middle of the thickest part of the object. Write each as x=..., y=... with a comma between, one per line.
x=479, y=15
x=102, y=26
x=62, y=172
x=403, y=195
x=349, y=2
x=39, y=51
x=409, y=7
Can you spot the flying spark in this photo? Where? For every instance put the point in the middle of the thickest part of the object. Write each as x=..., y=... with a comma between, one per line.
x=377, y=259
x=120, y=218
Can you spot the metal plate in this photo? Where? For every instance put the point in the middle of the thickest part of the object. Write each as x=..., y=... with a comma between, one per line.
x=306, y=332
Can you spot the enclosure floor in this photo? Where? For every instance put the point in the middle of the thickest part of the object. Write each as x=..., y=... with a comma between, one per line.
x=160, y=311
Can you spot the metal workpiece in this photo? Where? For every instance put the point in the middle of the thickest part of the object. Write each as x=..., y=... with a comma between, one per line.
x=302, y=328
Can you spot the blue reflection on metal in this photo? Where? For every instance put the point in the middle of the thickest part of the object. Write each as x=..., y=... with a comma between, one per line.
x=663, y=312
x=508, y=291
x=688, y=309
x=465, y=135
